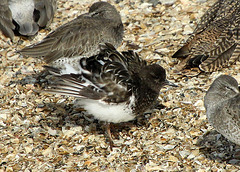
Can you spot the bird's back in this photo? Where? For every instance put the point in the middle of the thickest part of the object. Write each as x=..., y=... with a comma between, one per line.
x=225, y=118
x=79, y=38
x=222, y=103
x=214, y=42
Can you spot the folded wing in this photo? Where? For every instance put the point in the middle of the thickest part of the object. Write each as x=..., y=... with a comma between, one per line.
x=102, y=77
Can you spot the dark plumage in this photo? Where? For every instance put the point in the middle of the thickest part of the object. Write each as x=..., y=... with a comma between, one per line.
x=24, y=17
x=80, y=37
x=114, y=87
x=222, y=103
x=214, y=42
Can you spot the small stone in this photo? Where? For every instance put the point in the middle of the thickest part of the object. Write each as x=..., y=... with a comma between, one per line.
x=187, y=30
x=52, y=132
x=28, y=149
x=3, y=116
x=173, y=159
x=184, y=154
x=167, y=2
x=169, y=147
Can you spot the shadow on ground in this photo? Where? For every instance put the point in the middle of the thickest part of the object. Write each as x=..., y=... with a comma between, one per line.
x=216, y=147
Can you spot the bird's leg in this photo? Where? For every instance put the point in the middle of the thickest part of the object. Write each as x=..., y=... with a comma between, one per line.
x=108, y=129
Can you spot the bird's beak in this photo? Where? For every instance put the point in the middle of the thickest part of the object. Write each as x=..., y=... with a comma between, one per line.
x=170, y=83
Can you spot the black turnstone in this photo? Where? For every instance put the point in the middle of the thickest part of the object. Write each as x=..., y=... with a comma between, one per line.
x=24, y=17
x=114, y=87
x=80, y=37
x=214, y=42
x=222, y=103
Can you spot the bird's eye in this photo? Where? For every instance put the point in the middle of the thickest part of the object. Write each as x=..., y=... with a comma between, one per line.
x=96, y=14
x=153, y=76
x=228, y=88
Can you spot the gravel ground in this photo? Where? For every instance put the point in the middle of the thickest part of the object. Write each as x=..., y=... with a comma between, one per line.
x=44, y=132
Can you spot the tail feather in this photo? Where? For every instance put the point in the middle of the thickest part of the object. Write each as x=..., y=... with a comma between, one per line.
x=37, y=50
x=215, y=62
x=66, y=86
x=235, y=55
x=182, y=52
x=62, y=92
x=52, y=70
x=73, y=86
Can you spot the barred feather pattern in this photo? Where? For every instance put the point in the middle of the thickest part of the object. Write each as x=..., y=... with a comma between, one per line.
x=214, y=43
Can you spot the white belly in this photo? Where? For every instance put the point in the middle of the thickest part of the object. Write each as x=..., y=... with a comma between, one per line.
x=108, y=112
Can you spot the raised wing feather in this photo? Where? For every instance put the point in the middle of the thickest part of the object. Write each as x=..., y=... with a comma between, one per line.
x=101, y=79
x=6, y=24
x=129, y=59
x=84, y=32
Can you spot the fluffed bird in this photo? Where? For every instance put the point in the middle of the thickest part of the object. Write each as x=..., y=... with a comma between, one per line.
x=25, y=17
x=80, y=37
x=114, y=87
x=222, y=103
x=215, y=41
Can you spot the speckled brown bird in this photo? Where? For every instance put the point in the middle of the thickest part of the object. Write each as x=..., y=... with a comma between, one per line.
x=222, y=103
x=25, y=17
x=215, y=41
x=114, y=87
x=80, y=37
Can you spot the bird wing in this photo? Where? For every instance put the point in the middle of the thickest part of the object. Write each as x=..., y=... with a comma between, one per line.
x=131, y=60
x=6, y=24
x=214, y=43
x=100, y=79
x=208, y=17
x=206, y=20
x=46, y=10
x=219, y=10
x=225, y=50
x=215, y=47
x=78, y=37
x=220, y=56
x=230, y=114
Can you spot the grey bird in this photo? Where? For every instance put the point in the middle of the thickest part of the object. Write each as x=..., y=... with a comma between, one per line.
x=222, y=103
x=114, y=87
x=25, y=17
x=215, y=41
x=80, y=37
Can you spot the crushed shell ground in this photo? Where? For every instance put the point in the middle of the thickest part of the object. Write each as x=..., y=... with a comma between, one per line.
x=44, y=132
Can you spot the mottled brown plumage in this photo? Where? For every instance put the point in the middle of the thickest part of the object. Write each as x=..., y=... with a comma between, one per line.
x=24, y=17
x=222, y=103
x=80, y=37
x=214, y=43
